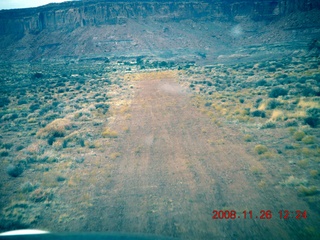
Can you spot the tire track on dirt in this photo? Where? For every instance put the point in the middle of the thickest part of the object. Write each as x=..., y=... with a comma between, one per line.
x=169, y=178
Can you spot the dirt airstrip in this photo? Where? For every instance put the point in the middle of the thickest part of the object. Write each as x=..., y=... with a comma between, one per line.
x=176, y=166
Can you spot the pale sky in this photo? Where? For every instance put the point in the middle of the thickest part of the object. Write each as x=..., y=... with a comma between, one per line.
x=10, y=4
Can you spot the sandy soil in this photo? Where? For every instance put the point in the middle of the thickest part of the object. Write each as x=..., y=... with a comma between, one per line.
x=176, y=166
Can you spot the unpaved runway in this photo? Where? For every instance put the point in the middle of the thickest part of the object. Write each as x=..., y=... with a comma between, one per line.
x=176, y=167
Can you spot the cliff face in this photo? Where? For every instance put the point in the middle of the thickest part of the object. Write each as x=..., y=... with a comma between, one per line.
x=71, y=15
x=100, y=27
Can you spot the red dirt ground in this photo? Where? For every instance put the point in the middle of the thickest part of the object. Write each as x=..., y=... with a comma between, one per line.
x=169, y=177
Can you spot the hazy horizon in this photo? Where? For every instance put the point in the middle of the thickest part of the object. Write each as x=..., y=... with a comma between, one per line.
x=15, y=4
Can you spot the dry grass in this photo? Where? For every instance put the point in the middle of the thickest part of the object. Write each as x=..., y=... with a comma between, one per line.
x=303, y=163
x=56, y=128
x=262, y=106
x=115, y=155
x=108, y=133
x=297, y=114
x=256, y=170
x=151, y=75
x=277, y=115
x=303, y=103
x=308, y=140
x=314, y=173
x=36, y=148
x=308, y=191
x=262, y=184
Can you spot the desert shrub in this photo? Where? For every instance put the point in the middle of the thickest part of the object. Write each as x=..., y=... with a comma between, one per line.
x=313, y=117
x=257, y=102
x=60, y=84
x=9, y=117
x=293, y=181
x=292, y=130
x=4, y=153
x=272, y=104
x=303, y=163
x=64, y=143
x=55, y=103
x=80, y=159
x=56, y=128
x=312, y=121
x=268, y=124
x=28, y=187
x=4, y=101
x=73, y=139
x=284, y=79
x=34, y=107
x=303, y=79
x=314, y=173
x=308, y=139
x=277, y=91
x=51, y=140
x=48, y=157
x=291, y=123
x=107, y=133
x=308, y=92
x=299, y=135
x=81, y=142
x=37, y=75
x=241, y=100
x=40, y=195
x=51, y=116
x=209, y=84
x=258, y=113
x=7, y=145
x=22, y=101
x=260, y=149
x=14, y=170
x=308, y=191
x=19, y=147
x=261, y=82
x=289, y=106
x=104, y=107
x=248, y=138
x=271, y=69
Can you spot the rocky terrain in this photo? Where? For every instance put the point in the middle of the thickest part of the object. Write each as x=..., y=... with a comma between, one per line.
x=196, y=30
x=181, y=119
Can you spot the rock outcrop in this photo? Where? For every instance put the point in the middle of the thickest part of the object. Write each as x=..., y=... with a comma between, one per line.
x=71, y=15
x=30, y=33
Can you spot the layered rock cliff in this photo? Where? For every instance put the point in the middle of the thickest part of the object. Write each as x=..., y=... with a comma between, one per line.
x=48, y=27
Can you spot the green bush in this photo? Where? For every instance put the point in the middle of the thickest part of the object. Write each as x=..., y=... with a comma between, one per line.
x=277, y=91
x=272, y=104
x=260, y=149
x=4, y=101
x=313, y=117
x=268, y=124
x=291, y=123
x=14, y=171
x=261, y=82
x=299, y=135
x=258, y=113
